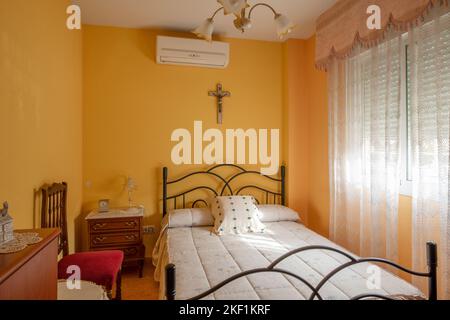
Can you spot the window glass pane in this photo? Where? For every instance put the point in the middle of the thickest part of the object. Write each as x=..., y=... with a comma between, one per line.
x=408, y=118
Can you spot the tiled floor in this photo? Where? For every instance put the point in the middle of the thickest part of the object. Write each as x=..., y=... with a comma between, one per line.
x=135, y=288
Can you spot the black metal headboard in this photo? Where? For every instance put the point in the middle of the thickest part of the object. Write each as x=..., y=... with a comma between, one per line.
x=225, y=187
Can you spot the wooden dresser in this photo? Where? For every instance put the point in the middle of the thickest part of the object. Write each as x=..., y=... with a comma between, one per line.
x=31, y=274
x=119, y=229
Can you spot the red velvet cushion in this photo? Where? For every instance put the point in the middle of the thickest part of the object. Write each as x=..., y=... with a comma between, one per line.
x=100, y=267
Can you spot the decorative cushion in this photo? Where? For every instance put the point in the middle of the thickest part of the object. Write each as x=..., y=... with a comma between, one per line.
x=195, y=217
x=276, y=213
x=100, y=267
x=235, y=215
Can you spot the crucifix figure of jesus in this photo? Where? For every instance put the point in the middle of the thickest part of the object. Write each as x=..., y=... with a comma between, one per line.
x=219, y=94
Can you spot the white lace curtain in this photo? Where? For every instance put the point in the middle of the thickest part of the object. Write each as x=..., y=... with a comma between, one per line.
x=430, y=105
x=365, y=108
x=365, y=150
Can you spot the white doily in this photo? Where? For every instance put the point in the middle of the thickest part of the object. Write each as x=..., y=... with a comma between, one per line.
x=87, y=291
x=20, y=242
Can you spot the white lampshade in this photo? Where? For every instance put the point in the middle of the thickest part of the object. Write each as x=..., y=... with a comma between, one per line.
x=233, y=6
x=130, y=183
x=284, y=25
x=205, y=31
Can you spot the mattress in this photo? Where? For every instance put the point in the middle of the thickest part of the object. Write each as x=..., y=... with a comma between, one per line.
x=203, y=259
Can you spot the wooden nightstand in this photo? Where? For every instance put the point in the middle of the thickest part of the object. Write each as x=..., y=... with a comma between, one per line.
x=118, y=229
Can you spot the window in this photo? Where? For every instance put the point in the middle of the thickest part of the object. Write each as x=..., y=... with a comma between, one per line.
x=431, y=65
x=405, y=135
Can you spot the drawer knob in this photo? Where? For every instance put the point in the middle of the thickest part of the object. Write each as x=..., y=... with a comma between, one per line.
x=132, y=237
x=131, y=251
x=130, y=224
x=99, y=239
x=99, y=226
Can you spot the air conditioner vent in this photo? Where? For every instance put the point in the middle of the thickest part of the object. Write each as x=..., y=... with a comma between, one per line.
x=191, y=52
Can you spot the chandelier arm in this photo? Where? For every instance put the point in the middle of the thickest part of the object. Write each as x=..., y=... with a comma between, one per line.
x=261, y=4
x=216, y=12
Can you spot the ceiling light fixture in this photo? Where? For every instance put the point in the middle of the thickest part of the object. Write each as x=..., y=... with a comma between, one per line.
x=243, y=21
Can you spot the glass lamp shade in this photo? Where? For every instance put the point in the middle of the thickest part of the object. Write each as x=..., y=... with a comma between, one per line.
x=205, y=31
x=284, y=25
x=233, y=6
x=242, y=24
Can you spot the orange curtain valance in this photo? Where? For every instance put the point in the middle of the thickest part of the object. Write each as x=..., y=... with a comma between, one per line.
x=344, y=25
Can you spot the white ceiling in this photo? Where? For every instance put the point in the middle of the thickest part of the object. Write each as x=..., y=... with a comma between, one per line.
x=185, y=15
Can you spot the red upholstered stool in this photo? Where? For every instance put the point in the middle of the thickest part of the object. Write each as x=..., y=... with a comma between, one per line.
x=101, y=267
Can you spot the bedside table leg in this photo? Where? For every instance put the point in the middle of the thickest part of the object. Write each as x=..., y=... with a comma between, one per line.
x=141, y=268
x=119, y=286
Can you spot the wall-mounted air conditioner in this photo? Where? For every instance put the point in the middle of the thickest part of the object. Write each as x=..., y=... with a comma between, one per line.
x=191, y=52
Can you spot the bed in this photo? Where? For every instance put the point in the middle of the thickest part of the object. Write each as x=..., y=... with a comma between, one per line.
x=286, y=262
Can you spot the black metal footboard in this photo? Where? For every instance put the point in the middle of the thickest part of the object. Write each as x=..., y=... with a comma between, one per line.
x=432, y=260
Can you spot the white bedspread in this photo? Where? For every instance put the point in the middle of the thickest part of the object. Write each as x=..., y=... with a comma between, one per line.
x=203, y=259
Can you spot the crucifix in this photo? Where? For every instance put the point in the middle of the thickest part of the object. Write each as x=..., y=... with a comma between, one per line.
x=219, y=94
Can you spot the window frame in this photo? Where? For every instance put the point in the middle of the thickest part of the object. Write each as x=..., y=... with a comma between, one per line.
x=405, y=188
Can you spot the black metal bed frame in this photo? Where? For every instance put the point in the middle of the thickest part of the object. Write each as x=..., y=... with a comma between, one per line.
x=431, y=274
x=170, y=271
x=226, y=189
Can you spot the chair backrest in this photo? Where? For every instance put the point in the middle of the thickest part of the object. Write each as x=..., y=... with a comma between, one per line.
x=54, y=212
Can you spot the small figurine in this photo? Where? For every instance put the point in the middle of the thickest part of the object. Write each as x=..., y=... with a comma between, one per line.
x=4, y=210
x=6, y=225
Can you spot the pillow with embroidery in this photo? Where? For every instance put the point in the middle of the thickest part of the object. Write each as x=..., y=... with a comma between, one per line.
x=236, y=215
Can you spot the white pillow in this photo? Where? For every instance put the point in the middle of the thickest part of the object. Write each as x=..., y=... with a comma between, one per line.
x=236, y=215
x=195, y=217
x=276, y=213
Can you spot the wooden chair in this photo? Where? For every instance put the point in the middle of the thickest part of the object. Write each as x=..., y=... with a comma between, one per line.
x=100, y=267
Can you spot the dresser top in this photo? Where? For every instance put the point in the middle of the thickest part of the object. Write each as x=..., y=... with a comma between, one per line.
x=117, y=213
x=11, y=262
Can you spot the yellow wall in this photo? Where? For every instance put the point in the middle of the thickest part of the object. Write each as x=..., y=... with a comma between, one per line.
x=307, y=122
x=319, y=193
x=132, y=105
x=296, y=124
x=405, y=232
x=40, y=106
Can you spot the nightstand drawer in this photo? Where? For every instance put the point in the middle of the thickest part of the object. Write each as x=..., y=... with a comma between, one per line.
x=114, y=225
x=130, y=252
x=108, y=239
x=134, y=252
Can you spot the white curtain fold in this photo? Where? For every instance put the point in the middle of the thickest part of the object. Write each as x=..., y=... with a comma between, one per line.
x=429, y=54
x=365, y=106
